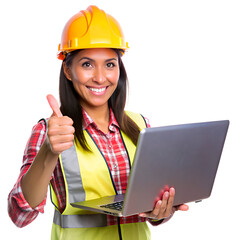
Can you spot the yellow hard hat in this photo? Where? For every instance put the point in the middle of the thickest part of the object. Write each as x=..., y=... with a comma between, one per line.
x=92, y=28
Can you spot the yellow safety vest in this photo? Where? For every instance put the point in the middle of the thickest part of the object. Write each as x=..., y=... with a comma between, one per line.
x=87, y=176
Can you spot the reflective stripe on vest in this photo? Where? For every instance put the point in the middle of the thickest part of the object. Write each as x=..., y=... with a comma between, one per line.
x=73, y=176
x=80, y=221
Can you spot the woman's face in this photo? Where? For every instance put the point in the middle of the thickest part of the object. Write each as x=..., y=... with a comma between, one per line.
x=94, y=74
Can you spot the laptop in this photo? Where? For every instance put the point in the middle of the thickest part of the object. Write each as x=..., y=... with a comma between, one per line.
x=185, y=157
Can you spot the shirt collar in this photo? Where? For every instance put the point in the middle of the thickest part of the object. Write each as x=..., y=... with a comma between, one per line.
x=87, y=120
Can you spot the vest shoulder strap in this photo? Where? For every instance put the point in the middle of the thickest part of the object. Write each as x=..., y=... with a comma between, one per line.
x=138, y=119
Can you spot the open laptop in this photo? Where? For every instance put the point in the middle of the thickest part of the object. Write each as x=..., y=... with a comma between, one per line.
x=185, y=157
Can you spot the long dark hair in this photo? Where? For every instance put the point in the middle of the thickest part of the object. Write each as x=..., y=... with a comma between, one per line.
x=71, y=103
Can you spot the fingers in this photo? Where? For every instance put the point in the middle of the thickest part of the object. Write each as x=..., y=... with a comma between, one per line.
x=54, y=105
x=158, y=208
x=60, y=147
x=163, y=208
x=61, y=136
x=170, y=201
x=60, y=133
x=60, y=122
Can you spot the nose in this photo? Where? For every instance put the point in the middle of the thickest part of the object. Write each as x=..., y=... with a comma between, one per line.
x=99, y=75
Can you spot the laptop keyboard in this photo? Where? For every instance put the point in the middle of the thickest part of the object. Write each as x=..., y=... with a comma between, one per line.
x=116, y=206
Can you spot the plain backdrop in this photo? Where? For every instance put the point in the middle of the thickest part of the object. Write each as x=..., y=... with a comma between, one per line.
x=183, y=67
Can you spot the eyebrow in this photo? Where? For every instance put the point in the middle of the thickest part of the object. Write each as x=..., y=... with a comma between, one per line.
x=90, y=59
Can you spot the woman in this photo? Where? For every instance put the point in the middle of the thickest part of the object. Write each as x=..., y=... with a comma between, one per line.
x=82, y=150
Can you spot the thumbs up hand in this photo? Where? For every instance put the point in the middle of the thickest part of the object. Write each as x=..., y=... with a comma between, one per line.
x=60, y=132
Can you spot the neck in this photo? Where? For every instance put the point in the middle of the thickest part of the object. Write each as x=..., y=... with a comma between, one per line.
x=100, y=115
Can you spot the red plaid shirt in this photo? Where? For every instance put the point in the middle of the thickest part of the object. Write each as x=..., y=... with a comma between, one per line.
x=111, y=146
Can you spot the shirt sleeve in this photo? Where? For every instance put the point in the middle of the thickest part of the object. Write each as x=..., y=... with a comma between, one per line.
x=158, y=222
x=19, y=210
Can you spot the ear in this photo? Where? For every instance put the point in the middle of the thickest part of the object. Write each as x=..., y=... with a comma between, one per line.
x=67, y=72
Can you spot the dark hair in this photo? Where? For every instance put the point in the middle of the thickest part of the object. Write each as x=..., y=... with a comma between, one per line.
x=71, y=103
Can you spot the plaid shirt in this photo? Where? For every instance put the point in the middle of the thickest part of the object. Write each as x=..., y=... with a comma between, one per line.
x=111, y=146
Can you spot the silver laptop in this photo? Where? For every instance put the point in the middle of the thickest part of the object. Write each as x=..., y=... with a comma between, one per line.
x=185, y=157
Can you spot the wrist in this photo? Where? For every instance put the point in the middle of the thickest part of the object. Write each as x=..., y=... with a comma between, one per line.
x=48, y=148
x=47, y=154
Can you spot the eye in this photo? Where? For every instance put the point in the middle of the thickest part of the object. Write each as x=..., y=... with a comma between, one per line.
x=111, y=65
x=86, y=64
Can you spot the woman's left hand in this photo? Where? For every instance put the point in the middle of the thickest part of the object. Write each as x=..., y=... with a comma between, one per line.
x=164, y=208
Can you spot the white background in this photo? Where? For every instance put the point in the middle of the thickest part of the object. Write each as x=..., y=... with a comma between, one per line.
x=183, y=66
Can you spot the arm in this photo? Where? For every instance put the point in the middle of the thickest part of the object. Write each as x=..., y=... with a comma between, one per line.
x=28, y=196
x=18, y=208
x=60, y=136
x=35, y=182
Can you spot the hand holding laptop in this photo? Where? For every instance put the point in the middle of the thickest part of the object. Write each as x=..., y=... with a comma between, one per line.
x=164, y=208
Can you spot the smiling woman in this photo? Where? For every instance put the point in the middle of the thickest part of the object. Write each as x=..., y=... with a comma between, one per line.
x=83, y=149
x=97, y=78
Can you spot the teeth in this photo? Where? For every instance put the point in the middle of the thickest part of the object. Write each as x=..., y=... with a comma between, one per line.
x=98, y=89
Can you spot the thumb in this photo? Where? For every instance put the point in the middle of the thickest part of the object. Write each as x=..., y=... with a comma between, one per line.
x=54, y=105
x=183, y=207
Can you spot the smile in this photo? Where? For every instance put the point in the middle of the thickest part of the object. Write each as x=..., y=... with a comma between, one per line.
x=97, y=90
